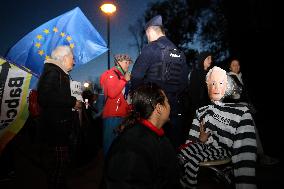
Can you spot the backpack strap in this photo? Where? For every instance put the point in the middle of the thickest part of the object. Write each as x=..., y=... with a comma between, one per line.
x=117, y=74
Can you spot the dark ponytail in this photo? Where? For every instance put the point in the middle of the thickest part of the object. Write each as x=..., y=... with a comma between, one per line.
x=143, y=102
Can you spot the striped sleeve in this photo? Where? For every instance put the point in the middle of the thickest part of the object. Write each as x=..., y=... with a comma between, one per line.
x=194, y=131
x=244, y=153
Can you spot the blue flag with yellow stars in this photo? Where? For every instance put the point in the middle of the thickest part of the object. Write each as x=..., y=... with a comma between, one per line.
x=71, y=28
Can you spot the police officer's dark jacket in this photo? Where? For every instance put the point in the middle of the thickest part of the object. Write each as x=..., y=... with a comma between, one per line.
x=146, y=69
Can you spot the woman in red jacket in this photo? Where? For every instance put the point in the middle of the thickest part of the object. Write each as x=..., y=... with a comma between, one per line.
x=113, y=82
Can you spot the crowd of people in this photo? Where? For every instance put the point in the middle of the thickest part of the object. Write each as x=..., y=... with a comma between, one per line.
x=142, y=123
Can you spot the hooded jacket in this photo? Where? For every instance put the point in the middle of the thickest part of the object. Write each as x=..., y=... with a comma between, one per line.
x=197, y=84
x=113, y=84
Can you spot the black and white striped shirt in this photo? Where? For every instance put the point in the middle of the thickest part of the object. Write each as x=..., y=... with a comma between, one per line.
x=232, y=128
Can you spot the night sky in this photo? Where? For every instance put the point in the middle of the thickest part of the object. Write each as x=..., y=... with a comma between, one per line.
x=18, y=18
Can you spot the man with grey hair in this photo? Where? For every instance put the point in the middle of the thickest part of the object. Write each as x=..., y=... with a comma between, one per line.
x=62, y=56
x=57, y=117
x=218, y=131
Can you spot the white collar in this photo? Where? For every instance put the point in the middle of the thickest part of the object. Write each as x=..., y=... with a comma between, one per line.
x=57, y=63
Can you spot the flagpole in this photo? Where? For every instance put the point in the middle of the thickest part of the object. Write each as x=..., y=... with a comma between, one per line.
x=21, y=67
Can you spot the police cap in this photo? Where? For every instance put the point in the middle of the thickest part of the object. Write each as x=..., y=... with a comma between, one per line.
x=155, y=21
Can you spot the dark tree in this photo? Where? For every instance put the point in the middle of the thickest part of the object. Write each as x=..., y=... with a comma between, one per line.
x=213, y=34
x=193, y=25
x=137, y=32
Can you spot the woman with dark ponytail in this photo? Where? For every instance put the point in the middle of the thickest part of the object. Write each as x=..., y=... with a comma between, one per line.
x=142, y=156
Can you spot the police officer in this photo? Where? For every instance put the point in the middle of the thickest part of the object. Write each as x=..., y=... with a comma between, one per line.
x=169, y=72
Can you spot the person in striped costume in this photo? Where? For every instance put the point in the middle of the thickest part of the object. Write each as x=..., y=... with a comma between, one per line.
x=220, y=130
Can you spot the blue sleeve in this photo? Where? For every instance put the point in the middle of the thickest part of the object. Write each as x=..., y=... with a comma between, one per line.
x=148, y=56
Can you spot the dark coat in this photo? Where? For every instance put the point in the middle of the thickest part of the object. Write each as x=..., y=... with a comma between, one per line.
x=198, y=89
x=56, y=102
x=147, y=62
x=139, y=158
x=197, y=84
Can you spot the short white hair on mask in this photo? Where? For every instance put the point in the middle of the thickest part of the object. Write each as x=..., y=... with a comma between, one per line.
x=216, y=69
x=59, y=52
x=231, y=85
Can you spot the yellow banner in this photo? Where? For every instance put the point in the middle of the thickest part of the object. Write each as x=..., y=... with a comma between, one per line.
x=14, y=90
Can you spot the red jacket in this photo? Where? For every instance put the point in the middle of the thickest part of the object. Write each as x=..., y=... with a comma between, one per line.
x=113, y=84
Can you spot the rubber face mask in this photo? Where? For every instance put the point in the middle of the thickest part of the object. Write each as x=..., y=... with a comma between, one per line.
x=216, y=83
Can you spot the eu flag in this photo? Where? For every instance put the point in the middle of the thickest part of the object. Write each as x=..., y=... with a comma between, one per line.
x=71, y=28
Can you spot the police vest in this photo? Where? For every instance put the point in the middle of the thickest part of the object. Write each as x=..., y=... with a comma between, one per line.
x=169, y=69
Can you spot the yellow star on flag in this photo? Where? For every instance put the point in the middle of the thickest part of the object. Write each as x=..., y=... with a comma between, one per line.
x=38, y=45
x=69, y=38
x=47, y=57
x=46, y=31
x=72, y=45
x=40, y=52
x=55, y=29
x=39, y=37
x=62, y=34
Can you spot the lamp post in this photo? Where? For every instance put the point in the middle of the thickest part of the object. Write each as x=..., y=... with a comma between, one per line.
x=109, y=9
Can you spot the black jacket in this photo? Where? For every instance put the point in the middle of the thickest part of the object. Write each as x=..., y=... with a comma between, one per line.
x=56, y=102
x=139, y=158
x=147, y=61
x=197, y=84
x=198, y=89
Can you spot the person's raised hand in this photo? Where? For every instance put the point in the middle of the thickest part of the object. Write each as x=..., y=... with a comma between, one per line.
x=203, y=136
x=127, y=76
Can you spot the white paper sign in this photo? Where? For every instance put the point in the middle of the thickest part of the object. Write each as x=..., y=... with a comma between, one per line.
x=76, y=89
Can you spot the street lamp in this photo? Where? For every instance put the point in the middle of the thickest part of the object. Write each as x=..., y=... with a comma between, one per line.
x=108, y=8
